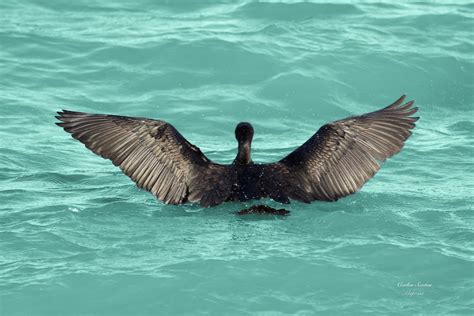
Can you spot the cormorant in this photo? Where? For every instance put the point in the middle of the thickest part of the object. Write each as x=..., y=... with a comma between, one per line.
x=336, y=161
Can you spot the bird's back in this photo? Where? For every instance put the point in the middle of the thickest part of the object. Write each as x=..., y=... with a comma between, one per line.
x=257, y=181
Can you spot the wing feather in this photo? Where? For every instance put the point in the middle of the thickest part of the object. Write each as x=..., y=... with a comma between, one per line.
x=153, y=154
x=343, y=155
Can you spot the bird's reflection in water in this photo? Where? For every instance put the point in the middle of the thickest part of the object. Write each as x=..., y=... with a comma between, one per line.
x=263, y=209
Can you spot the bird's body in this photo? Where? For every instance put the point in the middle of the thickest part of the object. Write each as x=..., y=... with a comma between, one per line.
x=336, y=161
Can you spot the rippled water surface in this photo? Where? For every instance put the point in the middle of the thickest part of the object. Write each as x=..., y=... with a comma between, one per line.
x=77, y=237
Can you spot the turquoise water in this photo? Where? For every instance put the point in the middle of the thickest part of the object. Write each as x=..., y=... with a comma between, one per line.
x=77, y=237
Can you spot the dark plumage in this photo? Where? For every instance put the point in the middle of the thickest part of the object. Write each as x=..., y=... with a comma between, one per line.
x=263, y=209
x=336, y=161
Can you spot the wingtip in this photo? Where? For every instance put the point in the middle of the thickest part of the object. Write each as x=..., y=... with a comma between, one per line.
x=69, y=112
x=408, y=104
x=60, y=115
x=397, y=102
x=63, y=112
x=400, y=100
x=412, y=110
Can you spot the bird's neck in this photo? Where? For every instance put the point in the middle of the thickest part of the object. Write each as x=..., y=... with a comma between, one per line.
x=243, y=154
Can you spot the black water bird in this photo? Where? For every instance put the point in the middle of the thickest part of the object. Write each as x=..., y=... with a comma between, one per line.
x=336, y=161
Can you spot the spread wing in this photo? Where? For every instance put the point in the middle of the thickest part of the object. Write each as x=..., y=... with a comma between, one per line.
x=345, y=154
x=153, y=154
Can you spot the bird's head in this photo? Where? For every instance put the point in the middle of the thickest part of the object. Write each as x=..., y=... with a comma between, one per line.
x=244, y=135
x=244, y=132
